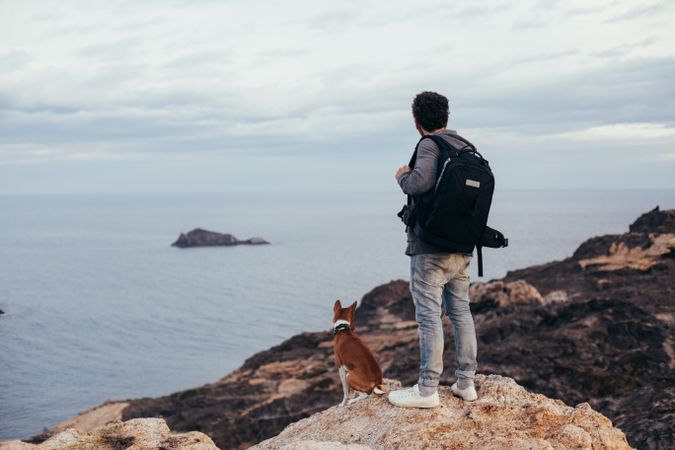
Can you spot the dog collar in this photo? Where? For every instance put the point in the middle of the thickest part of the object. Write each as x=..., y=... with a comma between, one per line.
x=340, y=325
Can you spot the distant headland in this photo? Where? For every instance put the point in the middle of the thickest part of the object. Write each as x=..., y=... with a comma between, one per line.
x=204, y=238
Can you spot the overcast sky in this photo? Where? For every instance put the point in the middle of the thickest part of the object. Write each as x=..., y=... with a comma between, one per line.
x=224, y=96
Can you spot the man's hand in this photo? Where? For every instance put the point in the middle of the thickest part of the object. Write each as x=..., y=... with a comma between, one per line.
x=401, y=171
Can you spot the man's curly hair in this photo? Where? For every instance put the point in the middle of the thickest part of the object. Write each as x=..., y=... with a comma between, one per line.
x=430, y=110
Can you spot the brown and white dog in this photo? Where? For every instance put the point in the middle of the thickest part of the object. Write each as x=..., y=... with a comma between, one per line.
x=357, y=365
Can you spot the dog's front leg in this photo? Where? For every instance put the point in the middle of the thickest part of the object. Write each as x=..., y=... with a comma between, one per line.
x=342, y=370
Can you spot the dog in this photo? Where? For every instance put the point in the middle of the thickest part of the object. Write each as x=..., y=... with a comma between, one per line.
x=357, y=366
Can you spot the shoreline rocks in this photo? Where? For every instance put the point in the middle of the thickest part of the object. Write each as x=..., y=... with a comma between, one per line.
x=144, y=433
x=205, y=238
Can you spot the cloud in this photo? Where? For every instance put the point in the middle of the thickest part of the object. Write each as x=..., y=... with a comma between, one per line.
x=638, y=90
x=14, y=58
x=625, y=49
x=130, y=80
x=117, y=50
x=648, y=10
x=541, y=57
x=333, y=20
x=631, y=132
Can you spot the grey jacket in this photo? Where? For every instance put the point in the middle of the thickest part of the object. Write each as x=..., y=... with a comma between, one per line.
x=422, y=179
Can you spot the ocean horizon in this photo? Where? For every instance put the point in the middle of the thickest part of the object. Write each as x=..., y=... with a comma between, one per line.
x=98, y=305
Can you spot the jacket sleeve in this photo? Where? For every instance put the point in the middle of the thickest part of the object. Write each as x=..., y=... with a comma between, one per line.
x=423, y=176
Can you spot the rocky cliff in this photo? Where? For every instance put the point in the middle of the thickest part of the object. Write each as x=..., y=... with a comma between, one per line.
x=505, y=416
x=611, y=341
x=597, y=327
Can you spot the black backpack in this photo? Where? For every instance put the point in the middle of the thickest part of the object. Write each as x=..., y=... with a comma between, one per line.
x=453, y=215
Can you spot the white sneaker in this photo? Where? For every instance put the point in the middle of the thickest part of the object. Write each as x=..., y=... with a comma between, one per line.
x=411, y=398
x=468, y=394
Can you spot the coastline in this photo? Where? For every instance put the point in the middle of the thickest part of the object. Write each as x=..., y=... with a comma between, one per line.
x=599, y=331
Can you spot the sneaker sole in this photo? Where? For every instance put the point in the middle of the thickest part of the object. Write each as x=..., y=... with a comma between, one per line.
x=457, y=394
x=402, y=405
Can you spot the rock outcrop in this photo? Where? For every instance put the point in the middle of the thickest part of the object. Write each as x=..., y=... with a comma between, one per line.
x=612, y=341
x=88, y=420
x=575, y=332
x=135, y=434
x=501, y=294
x=504, y=417
x=204, y=238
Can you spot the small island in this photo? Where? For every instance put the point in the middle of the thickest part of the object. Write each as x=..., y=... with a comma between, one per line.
x=204, y=238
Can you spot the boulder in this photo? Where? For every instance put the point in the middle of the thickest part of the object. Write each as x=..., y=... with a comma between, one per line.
x=134, y=434
x=505, y=417
x=503, y=294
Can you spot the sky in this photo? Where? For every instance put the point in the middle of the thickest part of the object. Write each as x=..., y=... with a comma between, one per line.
x=237, y=96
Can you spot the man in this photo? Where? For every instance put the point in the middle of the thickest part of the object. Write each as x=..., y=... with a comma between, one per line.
x=438, y=280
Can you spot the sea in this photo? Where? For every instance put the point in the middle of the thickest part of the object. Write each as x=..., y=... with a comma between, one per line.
x=98, y=304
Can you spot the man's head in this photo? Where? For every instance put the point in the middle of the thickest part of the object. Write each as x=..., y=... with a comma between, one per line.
x=430, y=111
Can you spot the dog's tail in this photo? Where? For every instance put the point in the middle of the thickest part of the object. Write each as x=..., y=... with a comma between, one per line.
x=380, y=390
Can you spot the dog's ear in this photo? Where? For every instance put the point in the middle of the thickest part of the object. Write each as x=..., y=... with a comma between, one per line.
x=337, y=306
x=351, y=315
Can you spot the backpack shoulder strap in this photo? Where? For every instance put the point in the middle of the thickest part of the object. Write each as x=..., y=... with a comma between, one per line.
x=411, y=164
x=446, y=150
x=467, y=145
x=413, y=158
x=467, y=148
x=442, y=144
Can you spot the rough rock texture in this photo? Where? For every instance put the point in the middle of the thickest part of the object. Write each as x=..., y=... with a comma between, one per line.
x=321, y=445
x=654, y=221
x=621, y=256
x=612, y=342
x=135, y=434
x=501, y=294
x=505, y=416
x=94, y=417
x=599, y=336
x=202, y=238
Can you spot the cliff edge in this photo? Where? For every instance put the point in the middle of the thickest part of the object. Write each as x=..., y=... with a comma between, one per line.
x=505, y=417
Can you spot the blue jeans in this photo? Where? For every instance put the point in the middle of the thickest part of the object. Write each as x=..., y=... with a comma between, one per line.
x=440, y=281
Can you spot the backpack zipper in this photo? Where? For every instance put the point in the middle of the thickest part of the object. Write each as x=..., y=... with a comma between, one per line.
x=440, y=177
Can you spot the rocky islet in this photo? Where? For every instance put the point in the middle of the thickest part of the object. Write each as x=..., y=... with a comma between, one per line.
x=200, y=237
